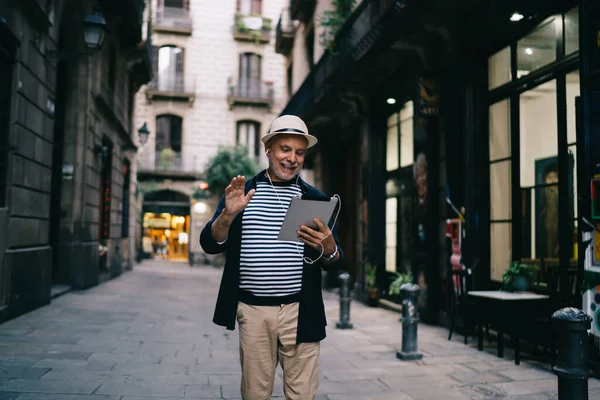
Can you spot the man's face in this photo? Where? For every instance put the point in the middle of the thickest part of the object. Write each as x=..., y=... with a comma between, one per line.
x=286, y=156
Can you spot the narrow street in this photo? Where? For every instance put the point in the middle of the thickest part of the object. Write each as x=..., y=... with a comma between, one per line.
x=149, y=334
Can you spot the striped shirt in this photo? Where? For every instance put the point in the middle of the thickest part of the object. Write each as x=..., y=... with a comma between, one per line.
x=269, y=267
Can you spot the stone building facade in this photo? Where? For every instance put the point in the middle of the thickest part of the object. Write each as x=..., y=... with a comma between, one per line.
x=66, y=146
x=217, y=82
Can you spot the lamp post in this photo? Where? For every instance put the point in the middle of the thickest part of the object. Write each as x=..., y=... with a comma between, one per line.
x=94, y=31
x=143, y=134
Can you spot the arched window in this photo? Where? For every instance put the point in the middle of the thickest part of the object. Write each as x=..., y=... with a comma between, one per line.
x=168, y=141
x=168, y=68
x=250, y=75
x=248, y=135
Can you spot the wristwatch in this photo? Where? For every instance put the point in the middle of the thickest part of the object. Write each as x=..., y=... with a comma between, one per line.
x=332, y=255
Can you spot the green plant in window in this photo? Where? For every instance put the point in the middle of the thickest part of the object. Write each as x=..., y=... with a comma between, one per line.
x=167, y=158
x=333, y=20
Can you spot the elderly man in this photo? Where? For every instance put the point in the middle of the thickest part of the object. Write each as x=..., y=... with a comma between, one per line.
x=270, y=286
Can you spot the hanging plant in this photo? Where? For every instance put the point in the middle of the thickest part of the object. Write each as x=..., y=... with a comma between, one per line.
x=333, y=20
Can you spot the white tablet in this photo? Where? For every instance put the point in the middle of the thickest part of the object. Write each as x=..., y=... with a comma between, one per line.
x=302, y=212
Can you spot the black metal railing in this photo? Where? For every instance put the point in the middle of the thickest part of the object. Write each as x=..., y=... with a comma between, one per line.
x=167, y=160
x=176, y=84
x=302, y=10
x=174, y=17
x=252, y=91
x=358, y=34
x=284, y=33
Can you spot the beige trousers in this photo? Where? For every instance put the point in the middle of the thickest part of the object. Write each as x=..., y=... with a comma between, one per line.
x=268, y=335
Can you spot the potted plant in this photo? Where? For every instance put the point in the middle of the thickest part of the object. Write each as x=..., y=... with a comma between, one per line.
x=399, y=279
x=518, y=276
x=371, y=281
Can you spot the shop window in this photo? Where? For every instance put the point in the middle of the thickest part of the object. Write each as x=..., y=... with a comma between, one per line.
x=406, y=135
x=500, y=188
x=499, y=68
x=391, y=225
x=248, y=136
x=249, y=6
x=572, y=31
x=499, y=130
x=391, y=160
x=500, y=248
x=539, y=170
x=538, y=48
x=400, y=136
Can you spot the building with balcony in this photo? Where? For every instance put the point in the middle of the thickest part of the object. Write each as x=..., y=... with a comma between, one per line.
x=70, y=71
x=421, y=109
x=217, y=81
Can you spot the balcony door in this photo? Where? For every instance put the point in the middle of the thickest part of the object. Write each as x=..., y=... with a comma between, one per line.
x=250, y=75
x=168, y=69
x=168, y=142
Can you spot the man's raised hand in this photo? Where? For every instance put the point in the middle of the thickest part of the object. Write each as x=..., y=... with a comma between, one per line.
x=235, y=198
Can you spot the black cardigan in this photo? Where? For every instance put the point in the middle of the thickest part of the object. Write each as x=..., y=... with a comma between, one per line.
x=311, y=314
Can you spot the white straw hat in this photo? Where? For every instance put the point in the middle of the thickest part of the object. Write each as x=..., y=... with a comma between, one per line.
x=289, y=125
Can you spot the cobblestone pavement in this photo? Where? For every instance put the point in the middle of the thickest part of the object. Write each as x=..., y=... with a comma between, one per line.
x=148, y=335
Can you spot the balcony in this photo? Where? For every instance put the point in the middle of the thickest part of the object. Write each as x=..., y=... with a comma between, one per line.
x=142, y=62
x=129, y=14
x=251, y=94
x=169, y=163
x=367, y=24
x=171, y=88
x=284, y=34
x=173, y=20
x=302, y=10
x=252, y=28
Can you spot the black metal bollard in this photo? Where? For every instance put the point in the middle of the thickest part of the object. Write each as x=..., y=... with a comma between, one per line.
x=344, y=322
x=410, y=320
x=571, y=326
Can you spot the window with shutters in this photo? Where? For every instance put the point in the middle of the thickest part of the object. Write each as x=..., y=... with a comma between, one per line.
x=248, y=136
x=168, y=69
x=249, y=83
x=247, y=7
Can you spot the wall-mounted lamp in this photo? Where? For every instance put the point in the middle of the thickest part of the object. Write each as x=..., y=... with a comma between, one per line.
x=94, y=31
x=143, y=133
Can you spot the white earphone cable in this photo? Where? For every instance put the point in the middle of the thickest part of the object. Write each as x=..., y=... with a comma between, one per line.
x=306, y=259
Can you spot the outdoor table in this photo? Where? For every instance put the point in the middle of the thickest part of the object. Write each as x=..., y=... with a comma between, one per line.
x=504, y=309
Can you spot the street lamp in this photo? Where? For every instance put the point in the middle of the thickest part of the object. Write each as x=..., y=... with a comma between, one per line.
x=94, y=31
x=143, y=133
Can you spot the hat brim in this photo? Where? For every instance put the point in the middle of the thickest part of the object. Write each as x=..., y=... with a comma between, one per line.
x=309, y=138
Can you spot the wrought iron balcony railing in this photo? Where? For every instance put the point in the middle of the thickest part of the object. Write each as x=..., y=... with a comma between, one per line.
x=172, y=87
x=169, y=161
x=302, y=10
x=175, y=19
x=252, y=28
x=355, y=38
x=250, y=93
x=284, y=34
